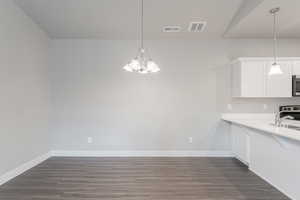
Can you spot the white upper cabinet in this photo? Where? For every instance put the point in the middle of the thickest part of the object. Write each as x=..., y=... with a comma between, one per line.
x=250, y=79
x=296, y=68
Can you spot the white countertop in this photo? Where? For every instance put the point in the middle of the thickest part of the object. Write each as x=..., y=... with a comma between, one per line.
x=263, y=122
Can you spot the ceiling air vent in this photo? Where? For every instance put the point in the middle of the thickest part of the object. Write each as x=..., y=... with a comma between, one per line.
x=172, y=29
x=197, y=26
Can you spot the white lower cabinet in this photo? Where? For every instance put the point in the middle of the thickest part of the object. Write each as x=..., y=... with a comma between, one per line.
x=240, y=143
x=273, y=158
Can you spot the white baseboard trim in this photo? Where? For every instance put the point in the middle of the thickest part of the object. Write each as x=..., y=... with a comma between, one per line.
x=24, y=167
x=59, y=153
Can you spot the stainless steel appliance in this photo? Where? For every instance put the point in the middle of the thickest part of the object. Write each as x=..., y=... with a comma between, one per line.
x=290, y=110
x=296, y=86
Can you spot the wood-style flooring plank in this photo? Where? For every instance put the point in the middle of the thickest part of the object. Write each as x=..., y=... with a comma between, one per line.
x=139, y=179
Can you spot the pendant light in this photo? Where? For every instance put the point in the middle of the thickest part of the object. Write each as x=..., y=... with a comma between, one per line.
x=142, y=64
x=275, y=67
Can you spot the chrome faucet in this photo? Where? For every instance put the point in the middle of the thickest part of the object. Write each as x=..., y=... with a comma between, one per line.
x=279, y=120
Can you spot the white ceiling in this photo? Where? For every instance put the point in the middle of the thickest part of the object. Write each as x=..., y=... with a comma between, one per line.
x=258, y=23
x=118, y=19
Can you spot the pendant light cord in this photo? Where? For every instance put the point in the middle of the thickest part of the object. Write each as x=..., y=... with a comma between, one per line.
x=142, y=24
x=274, y=38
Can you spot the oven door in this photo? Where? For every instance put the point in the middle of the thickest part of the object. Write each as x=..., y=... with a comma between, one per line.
x=296, y=86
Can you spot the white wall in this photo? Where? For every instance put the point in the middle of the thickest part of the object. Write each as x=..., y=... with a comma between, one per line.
x=93, y=96
x=24, y=88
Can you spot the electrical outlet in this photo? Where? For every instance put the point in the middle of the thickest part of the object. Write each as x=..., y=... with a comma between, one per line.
x=190, y=140
x=90, y=140
x=229, y=106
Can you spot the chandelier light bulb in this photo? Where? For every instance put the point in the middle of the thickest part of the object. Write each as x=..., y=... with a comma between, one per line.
x=135, y=65
x=152, y=66
x=127, y=68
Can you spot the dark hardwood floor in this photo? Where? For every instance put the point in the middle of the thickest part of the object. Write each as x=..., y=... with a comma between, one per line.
x=139, y=179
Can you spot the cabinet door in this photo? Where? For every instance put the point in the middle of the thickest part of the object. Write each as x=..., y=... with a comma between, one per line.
x=240, y=143
x=296, y=68
x=236, y=79
x=253, y=81
x=279, y=85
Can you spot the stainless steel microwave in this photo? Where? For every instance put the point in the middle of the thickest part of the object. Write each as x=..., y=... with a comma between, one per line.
x=296, y=86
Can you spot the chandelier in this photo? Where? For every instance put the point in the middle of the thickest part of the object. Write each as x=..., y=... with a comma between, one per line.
x=141, y=63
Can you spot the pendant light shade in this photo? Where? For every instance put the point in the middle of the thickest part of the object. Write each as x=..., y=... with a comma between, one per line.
x=275, y=68
x=142, y=64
